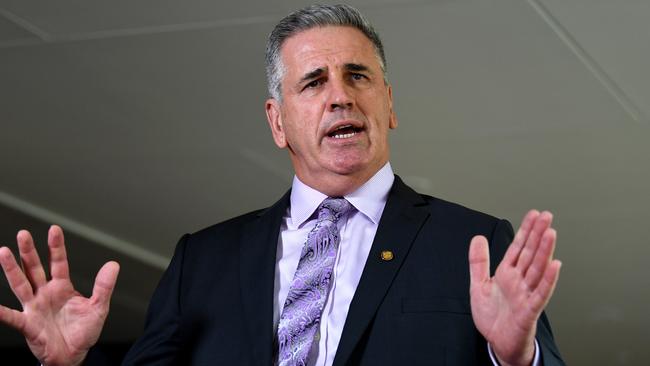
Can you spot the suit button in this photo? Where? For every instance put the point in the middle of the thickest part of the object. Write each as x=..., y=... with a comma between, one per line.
x=386, y=255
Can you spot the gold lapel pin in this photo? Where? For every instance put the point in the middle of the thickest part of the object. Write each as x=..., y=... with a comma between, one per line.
x=386, y=255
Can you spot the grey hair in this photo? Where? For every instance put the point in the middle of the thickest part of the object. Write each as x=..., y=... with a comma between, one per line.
x=311, y=17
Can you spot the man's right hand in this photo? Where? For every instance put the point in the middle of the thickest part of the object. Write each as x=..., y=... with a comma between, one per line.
x=59, y=324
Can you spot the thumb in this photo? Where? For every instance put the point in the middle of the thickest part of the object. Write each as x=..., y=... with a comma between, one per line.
x=479, y=260
x=105, y=283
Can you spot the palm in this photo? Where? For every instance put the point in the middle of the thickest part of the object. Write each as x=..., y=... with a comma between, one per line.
x=505, y=307
x=58, y=323
x=500, y=312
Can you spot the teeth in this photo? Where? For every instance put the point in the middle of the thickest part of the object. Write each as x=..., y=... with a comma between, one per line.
x=345, y=136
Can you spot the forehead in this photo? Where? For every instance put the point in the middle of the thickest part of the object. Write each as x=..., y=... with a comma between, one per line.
x=322, y=46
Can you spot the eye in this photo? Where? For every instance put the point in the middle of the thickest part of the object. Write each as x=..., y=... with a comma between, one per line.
x=358, y=77
x=313, y=84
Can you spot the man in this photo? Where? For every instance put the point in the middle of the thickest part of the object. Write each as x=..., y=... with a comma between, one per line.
x=350, y=267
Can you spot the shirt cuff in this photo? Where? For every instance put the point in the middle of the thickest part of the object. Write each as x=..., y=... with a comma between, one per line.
x=496, y=363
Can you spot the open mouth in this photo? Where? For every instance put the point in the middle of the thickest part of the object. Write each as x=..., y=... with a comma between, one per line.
x=344, y=132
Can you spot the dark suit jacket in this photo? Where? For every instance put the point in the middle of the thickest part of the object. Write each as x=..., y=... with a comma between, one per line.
x=214, y=303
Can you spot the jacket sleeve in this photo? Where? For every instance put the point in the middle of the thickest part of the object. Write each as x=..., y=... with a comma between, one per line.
x=161, y=344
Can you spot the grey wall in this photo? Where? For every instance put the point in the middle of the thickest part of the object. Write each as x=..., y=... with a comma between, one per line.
x=131, y=123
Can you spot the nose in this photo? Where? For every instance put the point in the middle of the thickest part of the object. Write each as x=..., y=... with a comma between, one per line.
x=341, y=96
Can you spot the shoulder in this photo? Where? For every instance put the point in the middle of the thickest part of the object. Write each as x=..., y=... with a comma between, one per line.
x=459, y=217
x=225, y=232
x=441, y=209
x=450, y=222
x=214, y=247
x=453, y=219
x=226, y=237
x=452, y=211
x=232, y=224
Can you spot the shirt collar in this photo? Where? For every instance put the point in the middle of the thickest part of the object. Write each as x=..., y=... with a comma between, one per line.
x=369, y=199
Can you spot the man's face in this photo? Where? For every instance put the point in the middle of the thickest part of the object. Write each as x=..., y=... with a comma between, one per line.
x=335, y=110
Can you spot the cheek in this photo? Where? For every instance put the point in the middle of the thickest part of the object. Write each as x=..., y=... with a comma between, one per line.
x=308, y=123
x=300, y=134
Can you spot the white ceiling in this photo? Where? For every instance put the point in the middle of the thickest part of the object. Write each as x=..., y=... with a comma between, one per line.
x=131, y=123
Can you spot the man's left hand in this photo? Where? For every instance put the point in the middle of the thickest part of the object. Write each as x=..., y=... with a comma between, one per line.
x=505, y=308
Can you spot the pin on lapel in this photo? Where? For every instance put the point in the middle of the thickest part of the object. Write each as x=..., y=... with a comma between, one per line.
x=386, y=255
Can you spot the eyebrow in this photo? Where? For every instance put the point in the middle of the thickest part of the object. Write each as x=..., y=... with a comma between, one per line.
x=320, y=71
x=312, y=74
x=357, y=67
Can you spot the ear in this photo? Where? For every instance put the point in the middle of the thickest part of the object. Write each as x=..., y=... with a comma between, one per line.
x=392, y=122
x=274, y=117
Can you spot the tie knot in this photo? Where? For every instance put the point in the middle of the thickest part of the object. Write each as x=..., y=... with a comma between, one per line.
x=333, y=208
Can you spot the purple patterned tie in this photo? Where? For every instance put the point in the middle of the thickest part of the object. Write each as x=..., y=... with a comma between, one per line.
x=304, y=305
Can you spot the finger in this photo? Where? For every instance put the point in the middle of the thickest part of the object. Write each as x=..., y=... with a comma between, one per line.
x=479, y=260
x=104, y=284
x=542, y=223
x=15, y=276
x=31, y=262
x=512, y=254
x=12, y=318
x=544, y=290
x=58, y=257
x=542, y=259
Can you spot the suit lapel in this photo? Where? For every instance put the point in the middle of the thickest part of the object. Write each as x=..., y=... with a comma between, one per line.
x=257, y=258
x=399, y=225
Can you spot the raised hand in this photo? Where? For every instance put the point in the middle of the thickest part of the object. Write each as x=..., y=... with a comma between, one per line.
x=59, y=324
x=505, y=308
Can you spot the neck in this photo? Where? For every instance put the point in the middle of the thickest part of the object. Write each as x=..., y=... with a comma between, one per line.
x=338, y=185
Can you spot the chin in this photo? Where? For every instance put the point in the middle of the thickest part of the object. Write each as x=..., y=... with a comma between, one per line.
x=354, y=162
x=349, y=166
